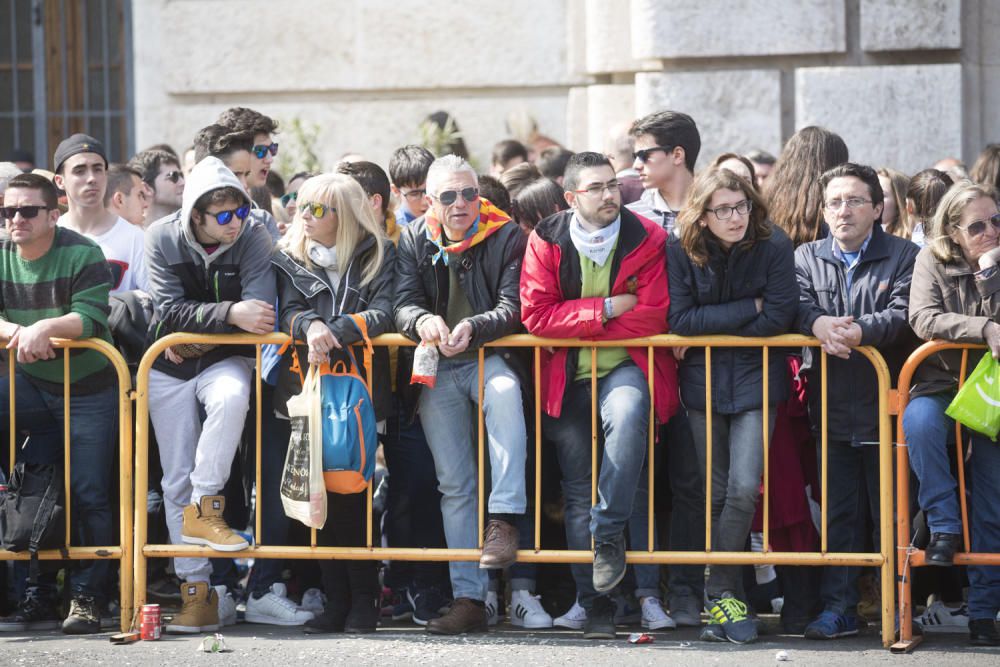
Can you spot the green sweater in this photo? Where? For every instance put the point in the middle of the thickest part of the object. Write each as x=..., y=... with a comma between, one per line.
x=72, y=277
x=596, y=281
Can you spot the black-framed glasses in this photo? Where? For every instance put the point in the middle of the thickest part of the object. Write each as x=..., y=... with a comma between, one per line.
x=260, y=150
x=27, y=212
x=316, y=209
x=173, y=176
x=642, y=155
x=289, y=197
x=978, y=227
x=449, y=197
x=726, y=212
x=834, y=205
x=225, y=217
x=415, y=194
x=597, y=189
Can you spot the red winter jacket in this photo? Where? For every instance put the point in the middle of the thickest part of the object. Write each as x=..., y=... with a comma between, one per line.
x=551, y=306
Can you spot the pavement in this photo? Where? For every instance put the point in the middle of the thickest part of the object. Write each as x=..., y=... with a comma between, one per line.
x=404, y=644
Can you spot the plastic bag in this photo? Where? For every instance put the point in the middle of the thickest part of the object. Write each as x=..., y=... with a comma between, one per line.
x=425, y=365
x=303, y=491
x=977, y=404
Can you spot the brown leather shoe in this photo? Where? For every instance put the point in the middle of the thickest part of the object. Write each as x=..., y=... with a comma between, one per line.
x=464, y=616
x=499, y=546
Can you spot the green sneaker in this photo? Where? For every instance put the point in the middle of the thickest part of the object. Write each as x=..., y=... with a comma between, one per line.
x=731, y=616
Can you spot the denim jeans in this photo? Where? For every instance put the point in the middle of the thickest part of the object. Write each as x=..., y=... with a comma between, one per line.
x=737, y=466
x=984, y=580
x=852, y=497
x=687, y=516
x=448, y=415
x=623, y=401
x=928, y=434
x=647, y=577
x=93, y=437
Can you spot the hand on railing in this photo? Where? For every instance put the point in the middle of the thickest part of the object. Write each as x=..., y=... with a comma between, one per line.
x=837, y=334
x=992, y=334
x=321, y=340
x=253, y=315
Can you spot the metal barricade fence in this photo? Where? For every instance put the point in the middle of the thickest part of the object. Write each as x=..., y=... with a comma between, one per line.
x=882, y=559
x=122, y=552
x=908, y=556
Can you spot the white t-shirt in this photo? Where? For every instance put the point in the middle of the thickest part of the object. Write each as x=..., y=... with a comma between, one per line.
x=124, y=248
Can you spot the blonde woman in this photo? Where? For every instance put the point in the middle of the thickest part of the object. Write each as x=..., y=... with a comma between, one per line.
x=335, y=260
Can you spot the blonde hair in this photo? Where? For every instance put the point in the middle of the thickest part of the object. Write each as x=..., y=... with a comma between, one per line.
x=902, y=226
x=355, y=219
x=949, y=214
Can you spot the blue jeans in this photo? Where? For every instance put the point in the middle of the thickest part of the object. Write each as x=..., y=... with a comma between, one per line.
x=623, y=401
x=448, y=415
x=984, y=581
x=93, y=437
x=647, y=577
x=928, y=434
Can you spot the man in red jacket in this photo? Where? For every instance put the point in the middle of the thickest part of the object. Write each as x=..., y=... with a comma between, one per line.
x=598, y=272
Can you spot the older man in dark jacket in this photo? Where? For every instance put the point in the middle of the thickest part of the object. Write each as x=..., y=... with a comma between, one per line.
x=854, y=290
x=457, y=273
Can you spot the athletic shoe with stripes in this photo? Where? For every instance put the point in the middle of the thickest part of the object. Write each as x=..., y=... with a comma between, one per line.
x=526, y=611
x=941, y=618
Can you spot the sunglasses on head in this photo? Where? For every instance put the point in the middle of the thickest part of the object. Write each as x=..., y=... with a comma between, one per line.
x=260, y=150
x=173, y=176
x=449, y=197
x=27, y=212
x=225, y=217
x=289, y=197
x=978, y=228
x=643, y=154
x=316, y=210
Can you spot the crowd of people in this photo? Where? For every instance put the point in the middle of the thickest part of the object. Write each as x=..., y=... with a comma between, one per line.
x=631, y=242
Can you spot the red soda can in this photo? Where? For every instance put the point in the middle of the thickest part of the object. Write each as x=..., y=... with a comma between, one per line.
x=149, y=622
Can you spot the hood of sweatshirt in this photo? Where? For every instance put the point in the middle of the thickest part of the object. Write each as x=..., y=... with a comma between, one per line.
x=208, y=175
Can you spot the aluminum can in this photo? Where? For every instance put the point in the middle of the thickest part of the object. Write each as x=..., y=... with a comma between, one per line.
x=149, y=622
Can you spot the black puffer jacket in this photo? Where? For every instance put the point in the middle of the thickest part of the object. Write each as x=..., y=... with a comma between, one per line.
x=718, y=298
x=308, y=294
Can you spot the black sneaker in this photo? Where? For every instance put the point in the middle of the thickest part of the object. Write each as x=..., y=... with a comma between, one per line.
x=32, y=613
x=609, y=564
x=983, y=632
x=428, y=604
x=84, y=617
x=600, y=622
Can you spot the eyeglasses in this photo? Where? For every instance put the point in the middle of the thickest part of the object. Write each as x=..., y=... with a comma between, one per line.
x=260, y=150
x=225, y=217
x=978, y=228
x=643, y=154
x=289, y=197
x=726, y=212
x=173, y=176
x=835, y=205
x=27, y=212
x=415, y=194
x=449, y=197
x=597, y=189
x=316, y=210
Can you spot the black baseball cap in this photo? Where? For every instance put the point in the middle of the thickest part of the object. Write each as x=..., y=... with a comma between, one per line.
x=75, y=144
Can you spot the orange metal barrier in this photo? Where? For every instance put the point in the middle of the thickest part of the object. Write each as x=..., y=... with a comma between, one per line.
x=907, y=556
x=121, y=552
x=882, y=559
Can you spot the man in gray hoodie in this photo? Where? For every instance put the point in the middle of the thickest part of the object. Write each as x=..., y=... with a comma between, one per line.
x=209, y=272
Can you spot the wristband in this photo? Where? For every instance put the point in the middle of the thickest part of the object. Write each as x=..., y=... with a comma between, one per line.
x=609, y=308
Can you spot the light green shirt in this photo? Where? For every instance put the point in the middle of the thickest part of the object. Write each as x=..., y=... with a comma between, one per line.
x=596, y=281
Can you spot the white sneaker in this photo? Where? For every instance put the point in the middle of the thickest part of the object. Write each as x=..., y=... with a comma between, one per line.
x=526, y=611
x=653, y=616
x=313, y=600
x=227, y=606
x=940, y=618
x=574, y=619
x=274, y=608
x=493, y=611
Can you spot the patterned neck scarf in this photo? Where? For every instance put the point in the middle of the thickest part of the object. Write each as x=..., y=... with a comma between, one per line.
x=490, y=220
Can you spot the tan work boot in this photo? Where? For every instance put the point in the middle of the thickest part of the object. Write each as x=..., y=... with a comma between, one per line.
x=200, y=612
x=203, y=524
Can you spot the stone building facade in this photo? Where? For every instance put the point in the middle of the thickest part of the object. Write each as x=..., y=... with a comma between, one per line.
x=905, y=82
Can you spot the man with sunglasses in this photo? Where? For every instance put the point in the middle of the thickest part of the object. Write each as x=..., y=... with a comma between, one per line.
x=260, y=128
x=54, y=284
x=666, y=149
x=457, y=271
x=164, y=179
x=854, y=289
x=209, y=272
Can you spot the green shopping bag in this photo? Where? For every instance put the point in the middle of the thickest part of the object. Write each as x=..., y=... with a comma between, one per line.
x=977, y=404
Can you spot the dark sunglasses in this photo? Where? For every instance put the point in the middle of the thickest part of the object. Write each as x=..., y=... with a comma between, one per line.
x=225, y=217
x=260, y=150
x=449, y=197
x=316, y=210
x=27, y=212
x=173, y=176
x=643, y=155
x=289, y=197
x=978, y=228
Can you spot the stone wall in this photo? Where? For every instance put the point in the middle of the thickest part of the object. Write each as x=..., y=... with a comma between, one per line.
x=905, y=82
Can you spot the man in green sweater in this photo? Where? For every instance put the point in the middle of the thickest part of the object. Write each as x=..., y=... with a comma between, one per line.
x=54, y=283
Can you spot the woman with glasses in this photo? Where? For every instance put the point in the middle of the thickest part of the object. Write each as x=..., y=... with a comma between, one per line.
x=334, y=261
x=731, y=272
x=955, y=296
